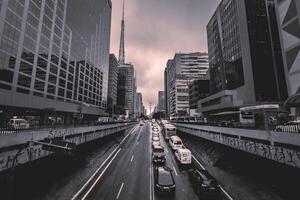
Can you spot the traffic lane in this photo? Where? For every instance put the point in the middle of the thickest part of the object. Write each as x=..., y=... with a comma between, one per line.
x=201, y=165
x=137, y=183
x=184, y=189
x=127, y=176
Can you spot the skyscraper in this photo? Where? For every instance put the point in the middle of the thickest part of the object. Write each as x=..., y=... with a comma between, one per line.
x=112, y=82
x=54, y=56
x=289, y=24
x=180, y=72
x=161, y=101
x=126, y=78
x=244, y=49
x=122, y=40
x=126, y=86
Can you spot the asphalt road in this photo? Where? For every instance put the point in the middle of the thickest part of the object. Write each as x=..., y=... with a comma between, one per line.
x=128, y=172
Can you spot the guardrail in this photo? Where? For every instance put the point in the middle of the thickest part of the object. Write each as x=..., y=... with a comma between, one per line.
x=278, y=146
x=11, y=130
x=31, y=143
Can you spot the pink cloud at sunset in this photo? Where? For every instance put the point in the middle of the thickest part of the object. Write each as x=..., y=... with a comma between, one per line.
x=154, y=31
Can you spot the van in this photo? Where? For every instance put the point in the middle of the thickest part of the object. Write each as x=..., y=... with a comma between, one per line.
x=183, y=156
x=175, y=142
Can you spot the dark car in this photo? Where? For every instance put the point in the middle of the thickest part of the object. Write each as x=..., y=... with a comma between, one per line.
x=204, y=184
x=158, y=155
x=164, y=181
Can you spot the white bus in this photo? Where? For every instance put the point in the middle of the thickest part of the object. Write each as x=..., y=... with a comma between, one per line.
x=169, y=131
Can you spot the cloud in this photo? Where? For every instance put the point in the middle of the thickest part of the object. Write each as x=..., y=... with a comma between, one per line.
x=154, y=31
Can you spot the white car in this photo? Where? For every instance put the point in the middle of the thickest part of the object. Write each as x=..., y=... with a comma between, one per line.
x=184, y=156
x=18, y=124
x=175, y=143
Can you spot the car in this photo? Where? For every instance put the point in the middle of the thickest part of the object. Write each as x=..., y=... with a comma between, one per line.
x=156, y=143
x=155, y=134
x=204, y=184
x=158, y=155
x=18, y=124
x=155, y=129
x=155, y=138
x=164, y=183
x=183, y=156
x=175, y=143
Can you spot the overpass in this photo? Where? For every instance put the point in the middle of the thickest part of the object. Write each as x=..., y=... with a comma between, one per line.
x=277, y=146
x=26, y=146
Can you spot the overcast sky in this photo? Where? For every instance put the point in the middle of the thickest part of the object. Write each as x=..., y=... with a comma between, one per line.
x=154, y=31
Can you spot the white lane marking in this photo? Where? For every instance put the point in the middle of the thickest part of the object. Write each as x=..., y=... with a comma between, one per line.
x=120, y=190
x=137, y=143
x=127, y=136
x=132, y=158
x=198, y=162
x=94, y=184
x=150, y=183
x=90, y=179
x=229, y=197
x=175, y=171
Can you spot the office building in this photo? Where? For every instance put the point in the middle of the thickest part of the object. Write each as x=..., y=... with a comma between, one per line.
x=161, y=101
x=198, y=89
x=181, y=71
x=112, y=82
x=245, y=60
x=139, y=104
x=54, y=55
x=288, y=13
x=126, y=85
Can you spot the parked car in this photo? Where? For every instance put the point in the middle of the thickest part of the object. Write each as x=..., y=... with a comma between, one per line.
x=158, y=155
x=204, y=184
x=164, y=181
x=183, y=156
x=18, y=124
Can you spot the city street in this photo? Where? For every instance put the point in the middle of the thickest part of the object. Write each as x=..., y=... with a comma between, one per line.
x=130, y=174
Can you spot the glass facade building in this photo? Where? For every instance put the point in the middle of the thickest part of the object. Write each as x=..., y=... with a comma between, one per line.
x=246, y=65
x=126, y=89
x=288, y=12
x=180, y=72
x=55, y=54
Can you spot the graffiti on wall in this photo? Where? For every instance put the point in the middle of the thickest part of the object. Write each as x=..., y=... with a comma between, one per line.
x=27, y=154
x=277, y=153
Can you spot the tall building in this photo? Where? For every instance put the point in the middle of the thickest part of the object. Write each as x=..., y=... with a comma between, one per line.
x=126, y=94
x=112, y=82
x=288, y=13
x=161, y=101
x=167, y=82
x=139, y=104
x=54, y=55
x=180, y=72
x=198, y=89
x=126, y=86
x=122, y=40
x=246, y=66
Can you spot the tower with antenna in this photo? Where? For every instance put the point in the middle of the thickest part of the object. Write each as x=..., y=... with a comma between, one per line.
x=122, y=40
